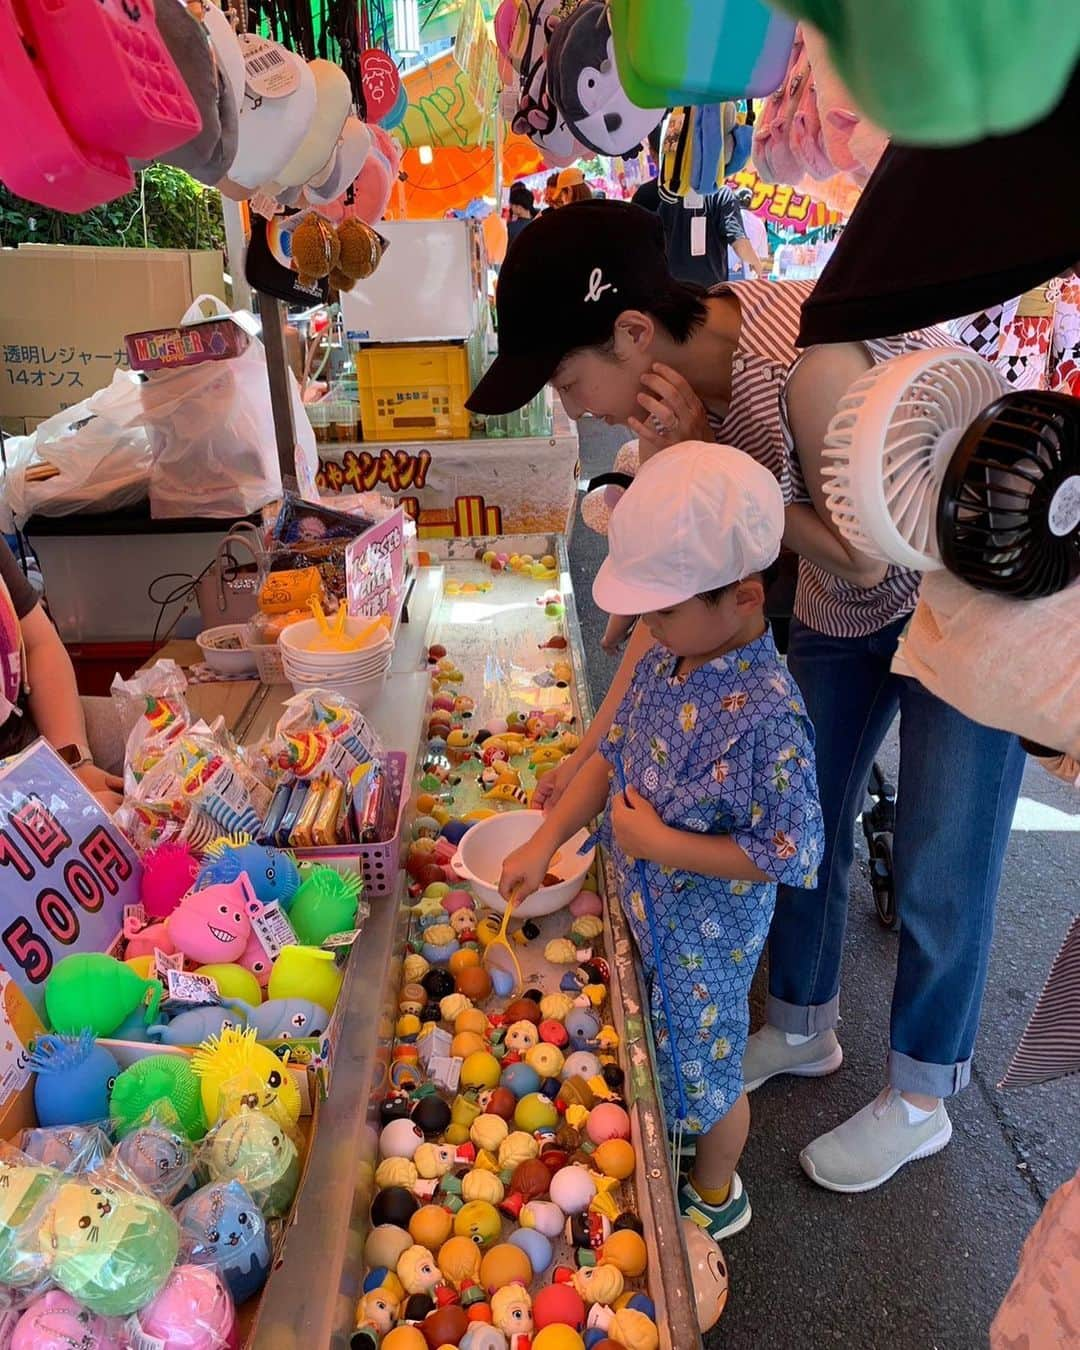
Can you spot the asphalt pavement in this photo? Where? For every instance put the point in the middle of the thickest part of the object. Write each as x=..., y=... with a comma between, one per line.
x=924, y=1261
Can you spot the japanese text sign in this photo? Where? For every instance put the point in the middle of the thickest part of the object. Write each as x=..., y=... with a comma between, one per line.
x=375, y=568
x=66, y=871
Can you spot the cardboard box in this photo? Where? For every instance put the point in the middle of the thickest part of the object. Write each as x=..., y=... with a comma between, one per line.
x=64, y=311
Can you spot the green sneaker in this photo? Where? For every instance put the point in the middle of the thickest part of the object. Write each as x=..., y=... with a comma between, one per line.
x=719, y=1221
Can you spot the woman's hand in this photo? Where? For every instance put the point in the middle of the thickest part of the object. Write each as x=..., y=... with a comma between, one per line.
x=106, y=787
x=552, y=786
x=674, y=412
x=639, y=831
x=523, y=871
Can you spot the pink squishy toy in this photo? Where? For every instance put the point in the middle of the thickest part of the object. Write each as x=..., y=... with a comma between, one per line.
x=212, y=925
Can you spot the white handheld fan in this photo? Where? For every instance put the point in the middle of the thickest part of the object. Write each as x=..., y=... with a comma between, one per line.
x=890, y=441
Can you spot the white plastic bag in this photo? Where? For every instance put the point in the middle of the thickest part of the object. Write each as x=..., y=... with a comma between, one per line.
x=211, y=433
x=101, y=464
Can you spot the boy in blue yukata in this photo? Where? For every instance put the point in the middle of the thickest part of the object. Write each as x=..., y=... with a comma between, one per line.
x=721, y=800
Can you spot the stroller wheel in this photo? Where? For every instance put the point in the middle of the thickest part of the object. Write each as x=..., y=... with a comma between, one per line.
x=881, y=880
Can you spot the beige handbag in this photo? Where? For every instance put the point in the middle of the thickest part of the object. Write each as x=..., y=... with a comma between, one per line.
x=1011, y=664
x=228, y=590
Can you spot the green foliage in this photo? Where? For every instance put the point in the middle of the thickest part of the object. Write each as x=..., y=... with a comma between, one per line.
x=167, y=210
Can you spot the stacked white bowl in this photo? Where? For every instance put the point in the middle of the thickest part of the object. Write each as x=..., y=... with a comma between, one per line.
x=357, y=675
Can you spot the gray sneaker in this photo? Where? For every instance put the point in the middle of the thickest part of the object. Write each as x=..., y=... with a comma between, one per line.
x=874, y=1144
x=768, y=1054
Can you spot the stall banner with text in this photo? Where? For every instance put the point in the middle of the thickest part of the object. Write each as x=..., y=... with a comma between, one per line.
x=462, y=489
x=375, y=568
x=66, y=870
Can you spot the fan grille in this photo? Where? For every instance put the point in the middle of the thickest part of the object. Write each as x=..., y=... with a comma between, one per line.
x=994, y=514
x=891, y=436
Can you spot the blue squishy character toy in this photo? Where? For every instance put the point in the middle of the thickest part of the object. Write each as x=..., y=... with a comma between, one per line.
x=273, y=872
x=198, y=1024
x=74, y=1076
x=288, y=1019
x=222, y=1227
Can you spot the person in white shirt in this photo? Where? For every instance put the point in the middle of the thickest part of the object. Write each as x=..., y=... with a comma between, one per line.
x=755, y=232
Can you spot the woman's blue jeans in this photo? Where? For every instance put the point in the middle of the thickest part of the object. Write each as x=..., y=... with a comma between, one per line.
x=956, y=793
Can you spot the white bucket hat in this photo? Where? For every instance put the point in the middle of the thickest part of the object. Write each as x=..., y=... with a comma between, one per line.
x=352, y=150
x=272, y=129
x=333, y=103
x=695, y=518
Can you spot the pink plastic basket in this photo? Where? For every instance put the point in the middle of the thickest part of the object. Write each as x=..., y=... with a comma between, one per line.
x=137, y=103
x=378, y=864
x=40, y=159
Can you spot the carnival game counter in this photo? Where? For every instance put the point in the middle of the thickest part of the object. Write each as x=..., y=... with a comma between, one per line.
x=311, y=1297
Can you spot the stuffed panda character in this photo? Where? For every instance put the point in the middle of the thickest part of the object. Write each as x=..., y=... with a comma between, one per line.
x=584, y=83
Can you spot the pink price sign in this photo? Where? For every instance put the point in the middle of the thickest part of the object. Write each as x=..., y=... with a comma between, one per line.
x=375, y=569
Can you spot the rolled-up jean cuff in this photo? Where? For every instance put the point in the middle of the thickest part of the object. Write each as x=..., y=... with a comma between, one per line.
x=932, y=1080
x=800, y=1021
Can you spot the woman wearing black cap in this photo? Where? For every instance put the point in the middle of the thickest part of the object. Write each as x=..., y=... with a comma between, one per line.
x=619, y=338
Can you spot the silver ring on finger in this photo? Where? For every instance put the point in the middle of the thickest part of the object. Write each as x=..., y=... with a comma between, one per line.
x=659, y=426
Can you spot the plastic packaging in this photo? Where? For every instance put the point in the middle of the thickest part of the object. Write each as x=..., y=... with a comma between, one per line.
x=67, y=1148
x=254, y=1150
x=56, y=1321
x=156, y=1157
x=110, y=1246
x=212, y=434
x=223, y=1229
x=194, y=1311
x=156, y=698
x=319, y=732
x=26, y=1190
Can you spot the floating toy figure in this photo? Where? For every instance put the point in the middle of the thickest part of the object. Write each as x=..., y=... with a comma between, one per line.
x=212, y=925
x=237, y=1074
x=95, y=991
x=223, y=1228
x=74, y=1079
x=598, y=1284
x=417, y=1271
x=511, y=1310
x=271, y=872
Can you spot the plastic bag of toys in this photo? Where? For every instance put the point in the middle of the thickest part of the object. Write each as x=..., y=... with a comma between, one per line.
x=27, y=1189
x=54, y=1321
x=155, y=698
x=107, y=1242
x=321, y=734
x=255, y=1150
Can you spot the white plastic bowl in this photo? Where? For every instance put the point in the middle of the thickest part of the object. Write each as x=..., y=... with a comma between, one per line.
x=297, y=636
x=362, y=693
x=227, y=660
x=487, y=844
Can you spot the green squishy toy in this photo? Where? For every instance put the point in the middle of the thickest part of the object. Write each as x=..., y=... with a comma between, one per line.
x=325, y=903
x=161, y=1088
x=93, y=990
x=254, y=1150
x=111, y=1249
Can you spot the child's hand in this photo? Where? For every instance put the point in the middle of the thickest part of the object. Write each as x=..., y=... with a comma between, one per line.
x=523, y=871
x=639, y=831
x=615, y=634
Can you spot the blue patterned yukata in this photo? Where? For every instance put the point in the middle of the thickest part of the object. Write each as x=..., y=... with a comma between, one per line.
x=727, y=750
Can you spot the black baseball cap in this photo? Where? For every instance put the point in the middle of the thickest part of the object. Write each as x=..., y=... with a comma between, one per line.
x=565, y=281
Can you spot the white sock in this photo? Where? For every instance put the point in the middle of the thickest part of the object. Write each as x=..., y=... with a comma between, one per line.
x=915, y=1114
x=793, y=1038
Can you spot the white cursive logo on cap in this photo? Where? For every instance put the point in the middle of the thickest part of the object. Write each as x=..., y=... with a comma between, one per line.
x=597, y=286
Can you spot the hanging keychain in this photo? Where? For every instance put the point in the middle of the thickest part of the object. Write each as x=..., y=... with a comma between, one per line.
x=665, y=1000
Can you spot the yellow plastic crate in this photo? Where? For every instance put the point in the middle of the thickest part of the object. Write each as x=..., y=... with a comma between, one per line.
x=413, y=393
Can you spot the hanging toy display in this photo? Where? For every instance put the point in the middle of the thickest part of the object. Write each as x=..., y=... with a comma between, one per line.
x=584, y=83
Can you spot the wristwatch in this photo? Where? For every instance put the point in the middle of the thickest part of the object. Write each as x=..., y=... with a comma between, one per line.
x=75, y=755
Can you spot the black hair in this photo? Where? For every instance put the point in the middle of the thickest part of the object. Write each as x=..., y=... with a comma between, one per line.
x=714, y=597
x=521, y=196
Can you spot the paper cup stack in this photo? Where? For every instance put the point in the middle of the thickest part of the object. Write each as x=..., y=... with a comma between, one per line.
x=357, y=675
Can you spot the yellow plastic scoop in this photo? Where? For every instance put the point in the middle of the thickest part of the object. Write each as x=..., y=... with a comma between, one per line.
x=501, y=940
